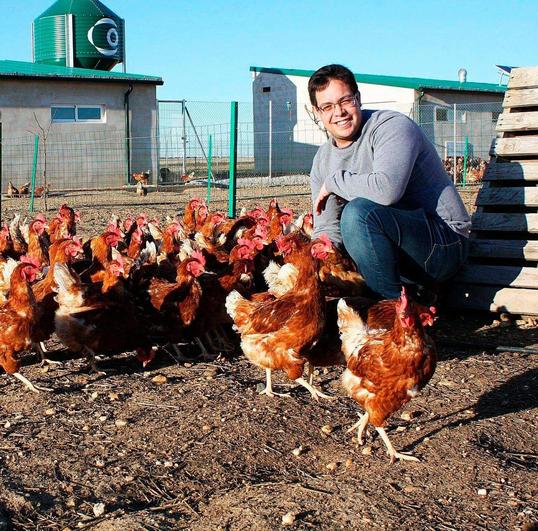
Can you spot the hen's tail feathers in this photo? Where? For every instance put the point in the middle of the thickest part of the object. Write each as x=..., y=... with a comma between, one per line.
x=280, y=279
x=199, y=238
x=353, y=330
x=231, y=303
x=270, y=273
x=7, y=271
x=233, y=300
x=15, y=229
x=155, y=231
x=185, y=250
x=148, y=255
x=150, y=250
x=63, y=278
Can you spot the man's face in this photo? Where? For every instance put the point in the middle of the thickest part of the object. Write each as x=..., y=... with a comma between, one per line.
x=344, y=120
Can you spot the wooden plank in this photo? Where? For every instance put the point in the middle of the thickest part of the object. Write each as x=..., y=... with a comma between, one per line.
x=494, y=299
x=516, y=170
x=521, y=98
x=493, y=275
x=526, y=77
x=505, y=222
x=517, y=121
x=517, y=146
x=518, y=249
x=521, y=195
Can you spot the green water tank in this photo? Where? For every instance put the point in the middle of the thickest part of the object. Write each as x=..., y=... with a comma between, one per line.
x=79, y=33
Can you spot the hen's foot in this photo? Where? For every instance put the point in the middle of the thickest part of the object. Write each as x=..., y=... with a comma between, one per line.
x=41, y=350
x=316, y=393
x=269, y=386
x=45, y=362
x=354, y=427
x=29, y=384
x=225, y=342
x=272, y=394
x=310, y=373
x=207, y=355
x=90, y=356
x=361, y=425
x=403, y=456
x=177, y=355
x=393, y=454
x=93, y=369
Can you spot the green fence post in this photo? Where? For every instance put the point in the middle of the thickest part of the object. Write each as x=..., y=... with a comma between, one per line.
x=232, y=186
x=209, y=156
x=34, y=170
x=465, y=157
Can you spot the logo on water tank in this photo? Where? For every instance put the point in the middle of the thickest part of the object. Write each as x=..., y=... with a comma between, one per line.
x=105, y=37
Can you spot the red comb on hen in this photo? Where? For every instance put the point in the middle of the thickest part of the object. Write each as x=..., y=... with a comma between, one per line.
x=30, y=260
x=199, y=257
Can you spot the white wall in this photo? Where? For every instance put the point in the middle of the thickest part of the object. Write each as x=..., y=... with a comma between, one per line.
x=384, y=97
x=78, y=154
x=296, y=149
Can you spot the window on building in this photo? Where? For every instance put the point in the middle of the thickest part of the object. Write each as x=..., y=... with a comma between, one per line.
x=441, y=114
x=266, y=89
x=77, y=113
x=62, y=114
x=446, y=114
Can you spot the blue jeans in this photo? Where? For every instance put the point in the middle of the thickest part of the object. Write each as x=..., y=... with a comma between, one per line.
x=389, y=243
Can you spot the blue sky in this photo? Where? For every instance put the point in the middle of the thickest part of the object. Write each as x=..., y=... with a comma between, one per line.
x=203, y=49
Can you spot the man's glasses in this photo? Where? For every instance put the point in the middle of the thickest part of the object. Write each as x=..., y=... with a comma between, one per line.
x=345, y=103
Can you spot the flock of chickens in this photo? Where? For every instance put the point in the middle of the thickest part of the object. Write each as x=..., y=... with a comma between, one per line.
x=24, y=190
x=142, y=284
x=474, y=172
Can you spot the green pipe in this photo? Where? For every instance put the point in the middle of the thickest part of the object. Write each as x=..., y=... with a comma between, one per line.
x=127, y=109
x=209, y=157
x=34, y=171
x=232, y=187
x=465, y=156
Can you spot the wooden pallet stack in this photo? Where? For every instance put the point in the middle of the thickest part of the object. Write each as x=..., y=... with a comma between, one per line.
x=502, y=273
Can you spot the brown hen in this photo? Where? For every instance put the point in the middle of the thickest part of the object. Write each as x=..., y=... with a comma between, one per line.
x=278, y=333
x=385, y=367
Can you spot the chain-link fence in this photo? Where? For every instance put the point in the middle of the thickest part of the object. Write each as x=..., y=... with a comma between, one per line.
x=192, y=141
x=464, y=131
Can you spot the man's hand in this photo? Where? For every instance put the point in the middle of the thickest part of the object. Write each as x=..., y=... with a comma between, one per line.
x=321, y=200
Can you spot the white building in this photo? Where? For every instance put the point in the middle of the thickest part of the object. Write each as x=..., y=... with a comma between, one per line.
x=101, y=125
x=286, y=137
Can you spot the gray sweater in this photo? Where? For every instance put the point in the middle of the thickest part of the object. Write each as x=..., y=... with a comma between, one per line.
x=391, y=162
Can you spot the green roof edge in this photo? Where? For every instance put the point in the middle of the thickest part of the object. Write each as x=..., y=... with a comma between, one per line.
x=21, y=69
x=395, y=81
x=62, y=7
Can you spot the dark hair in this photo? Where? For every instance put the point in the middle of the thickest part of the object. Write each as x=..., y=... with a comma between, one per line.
x=321, y=78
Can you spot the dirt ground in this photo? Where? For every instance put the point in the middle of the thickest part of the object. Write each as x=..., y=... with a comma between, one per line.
x=191, y=445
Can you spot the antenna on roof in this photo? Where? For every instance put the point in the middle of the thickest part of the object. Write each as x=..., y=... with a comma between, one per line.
x=504, y=71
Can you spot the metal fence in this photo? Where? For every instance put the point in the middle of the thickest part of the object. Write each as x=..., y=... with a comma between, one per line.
x=461, y=130
x=192, y=142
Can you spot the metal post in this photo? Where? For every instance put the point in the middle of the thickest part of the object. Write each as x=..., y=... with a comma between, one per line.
x=127, y=110
x=270, y=138
x=232, y=186
x=465, y=158
x=157, y=179
x=196, y=133
x=1, y=174
x=209, y=157
x=454, y=146
x=34, y=171
x=184, y=137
